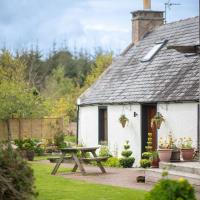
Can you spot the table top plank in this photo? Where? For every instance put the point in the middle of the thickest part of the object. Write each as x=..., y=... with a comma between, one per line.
x=75, y=149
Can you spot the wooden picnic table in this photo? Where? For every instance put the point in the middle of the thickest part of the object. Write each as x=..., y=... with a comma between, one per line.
x=78, y=160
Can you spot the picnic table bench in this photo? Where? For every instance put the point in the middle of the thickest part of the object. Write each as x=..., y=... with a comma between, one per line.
x=78, y=160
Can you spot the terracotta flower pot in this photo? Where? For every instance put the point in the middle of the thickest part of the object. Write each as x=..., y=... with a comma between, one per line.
x=165, y=155
x=155, y=163
x=187, y=154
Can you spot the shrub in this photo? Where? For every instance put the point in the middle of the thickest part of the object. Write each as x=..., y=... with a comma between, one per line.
x=146, y=155
x=145, y=163
x=126, y=153
x=39, y=151
x=112, y=162
x=59, y=140
x=104, y=151
x=26, y=144
x=16, y=177
x=167, y=189
x=126, y=161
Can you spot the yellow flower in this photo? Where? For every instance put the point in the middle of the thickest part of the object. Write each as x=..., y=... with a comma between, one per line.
x=181, y=180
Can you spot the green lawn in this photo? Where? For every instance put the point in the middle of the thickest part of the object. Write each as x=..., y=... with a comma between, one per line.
x=58, y=188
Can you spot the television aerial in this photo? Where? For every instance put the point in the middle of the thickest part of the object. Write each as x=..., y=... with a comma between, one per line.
x=168, y=6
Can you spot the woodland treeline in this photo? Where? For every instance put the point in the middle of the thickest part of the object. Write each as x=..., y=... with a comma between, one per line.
x=32, y=85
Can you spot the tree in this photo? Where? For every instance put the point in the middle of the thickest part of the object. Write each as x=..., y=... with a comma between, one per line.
x=20, y=101
x=101, y=63
x=57, y=84
x=11, y=69
x=17, y=99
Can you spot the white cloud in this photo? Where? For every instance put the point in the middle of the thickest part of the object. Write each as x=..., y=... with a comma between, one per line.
x=86, y=23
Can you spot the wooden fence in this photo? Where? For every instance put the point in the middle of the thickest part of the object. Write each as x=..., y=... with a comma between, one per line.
x=32, y=128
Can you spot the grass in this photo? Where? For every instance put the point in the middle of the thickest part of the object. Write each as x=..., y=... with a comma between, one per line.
x=55, y=187
x=38, y=158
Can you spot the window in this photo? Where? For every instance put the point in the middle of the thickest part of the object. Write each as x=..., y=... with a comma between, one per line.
x=103, y=125
x=153, y=51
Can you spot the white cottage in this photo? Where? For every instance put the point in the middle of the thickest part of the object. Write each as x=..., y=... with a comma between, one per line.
x=146, y=78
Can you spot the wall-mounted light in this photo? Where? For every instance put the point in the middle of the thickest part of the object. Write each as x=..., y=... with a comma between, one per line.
x=135, y=114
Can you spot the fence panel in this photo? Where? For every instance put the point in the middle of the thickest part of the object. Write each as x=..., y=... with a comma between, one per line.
x=32, y=128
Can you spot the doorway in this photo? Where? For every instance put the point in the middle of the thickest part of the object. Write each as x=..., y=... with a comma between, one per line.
x=148, y=112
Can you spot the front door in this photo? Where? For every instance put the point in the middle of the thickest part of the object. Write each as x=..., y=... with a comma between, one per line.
x=148, y=112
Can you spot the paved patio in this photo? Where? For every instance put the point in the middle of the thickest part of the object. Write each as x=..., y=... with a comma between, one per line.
x=114, y=176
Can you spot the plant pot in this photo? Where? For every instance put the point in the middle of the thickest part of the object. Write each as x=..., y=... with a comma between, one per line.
x=123, y=123
x=30, y=155
x=176, y=154
x=155, y=163
x=165, y=155
x=187, y=154
x=158, y=124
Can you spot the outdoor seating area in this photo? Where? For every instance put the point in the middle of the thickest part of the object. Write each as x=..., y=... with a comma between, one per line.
x=79, y=160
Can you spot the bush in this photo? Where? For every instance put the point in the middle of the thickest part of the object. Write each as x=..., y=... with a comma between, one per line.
x=16, y=177
x=126, y=153
x=59, y=140
x=112, y=162
x=26, y=144
x=167, y=189
x=145, y=163
x=39, y=151
x=147, y=155
x=126, y=161
x=104, y=151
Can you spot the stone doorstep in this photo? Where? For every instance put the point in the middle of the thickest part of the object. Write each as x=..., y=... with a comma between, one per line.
x=188, y=167
x=154, y=175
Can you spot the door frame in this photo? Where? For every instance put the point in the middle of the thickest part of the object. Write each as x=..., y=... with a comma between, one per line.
x=144, y=135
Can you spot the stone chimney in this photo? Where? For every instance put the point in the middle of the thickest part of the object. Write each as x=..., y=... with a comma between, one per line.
x=144, y=21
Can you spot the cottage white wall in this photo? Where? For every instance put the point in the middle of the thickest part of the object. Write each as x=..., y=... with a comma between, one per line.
x=88, y=126
x=180, y=120
x=117, y=135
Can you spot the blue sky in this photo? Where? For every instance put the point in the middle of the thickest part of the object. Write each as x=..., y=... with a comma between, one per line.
x=76, y=23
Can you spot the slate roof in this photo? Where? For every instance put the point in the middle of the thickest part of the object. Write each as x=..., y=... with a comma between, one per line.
x=169, y=76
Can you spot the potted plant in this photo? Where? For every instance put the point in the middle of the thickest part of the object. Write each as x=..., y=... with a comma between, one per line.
x=123, y=120
x=29, y=146
x=154, y=159
x=175, y=157
x=187, y=150
x=157, y=120
x=165, y=150
x=149, y=146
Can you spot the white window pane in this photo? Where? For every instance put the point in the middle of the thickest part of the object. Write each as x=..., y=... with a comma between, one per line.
x=152, y=52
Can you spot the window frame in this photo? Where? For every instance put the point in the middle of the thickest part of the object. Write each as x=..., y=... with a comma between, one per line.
x=102, y=124
x=153, y=51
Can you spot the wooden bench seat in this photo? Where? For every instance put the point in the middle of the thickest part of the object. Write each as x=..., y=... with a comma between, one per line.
x=55, y=159
x=95, y=159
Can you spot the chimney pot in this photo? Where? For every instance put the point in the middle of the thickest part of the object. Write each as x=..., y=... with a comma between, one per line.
x=147, y=4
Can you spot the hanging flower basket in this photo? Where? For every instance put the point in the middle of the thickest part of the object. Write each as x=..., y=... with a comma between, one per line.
x=157, y=120
x=123, y=120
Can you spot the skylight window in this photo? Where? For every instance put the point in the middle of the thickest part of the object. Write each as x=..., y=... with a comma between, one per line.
x=153, y=51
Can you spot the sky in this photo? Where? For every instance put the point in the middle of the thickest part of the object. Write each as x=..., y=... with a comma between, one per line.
x=85, y=24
